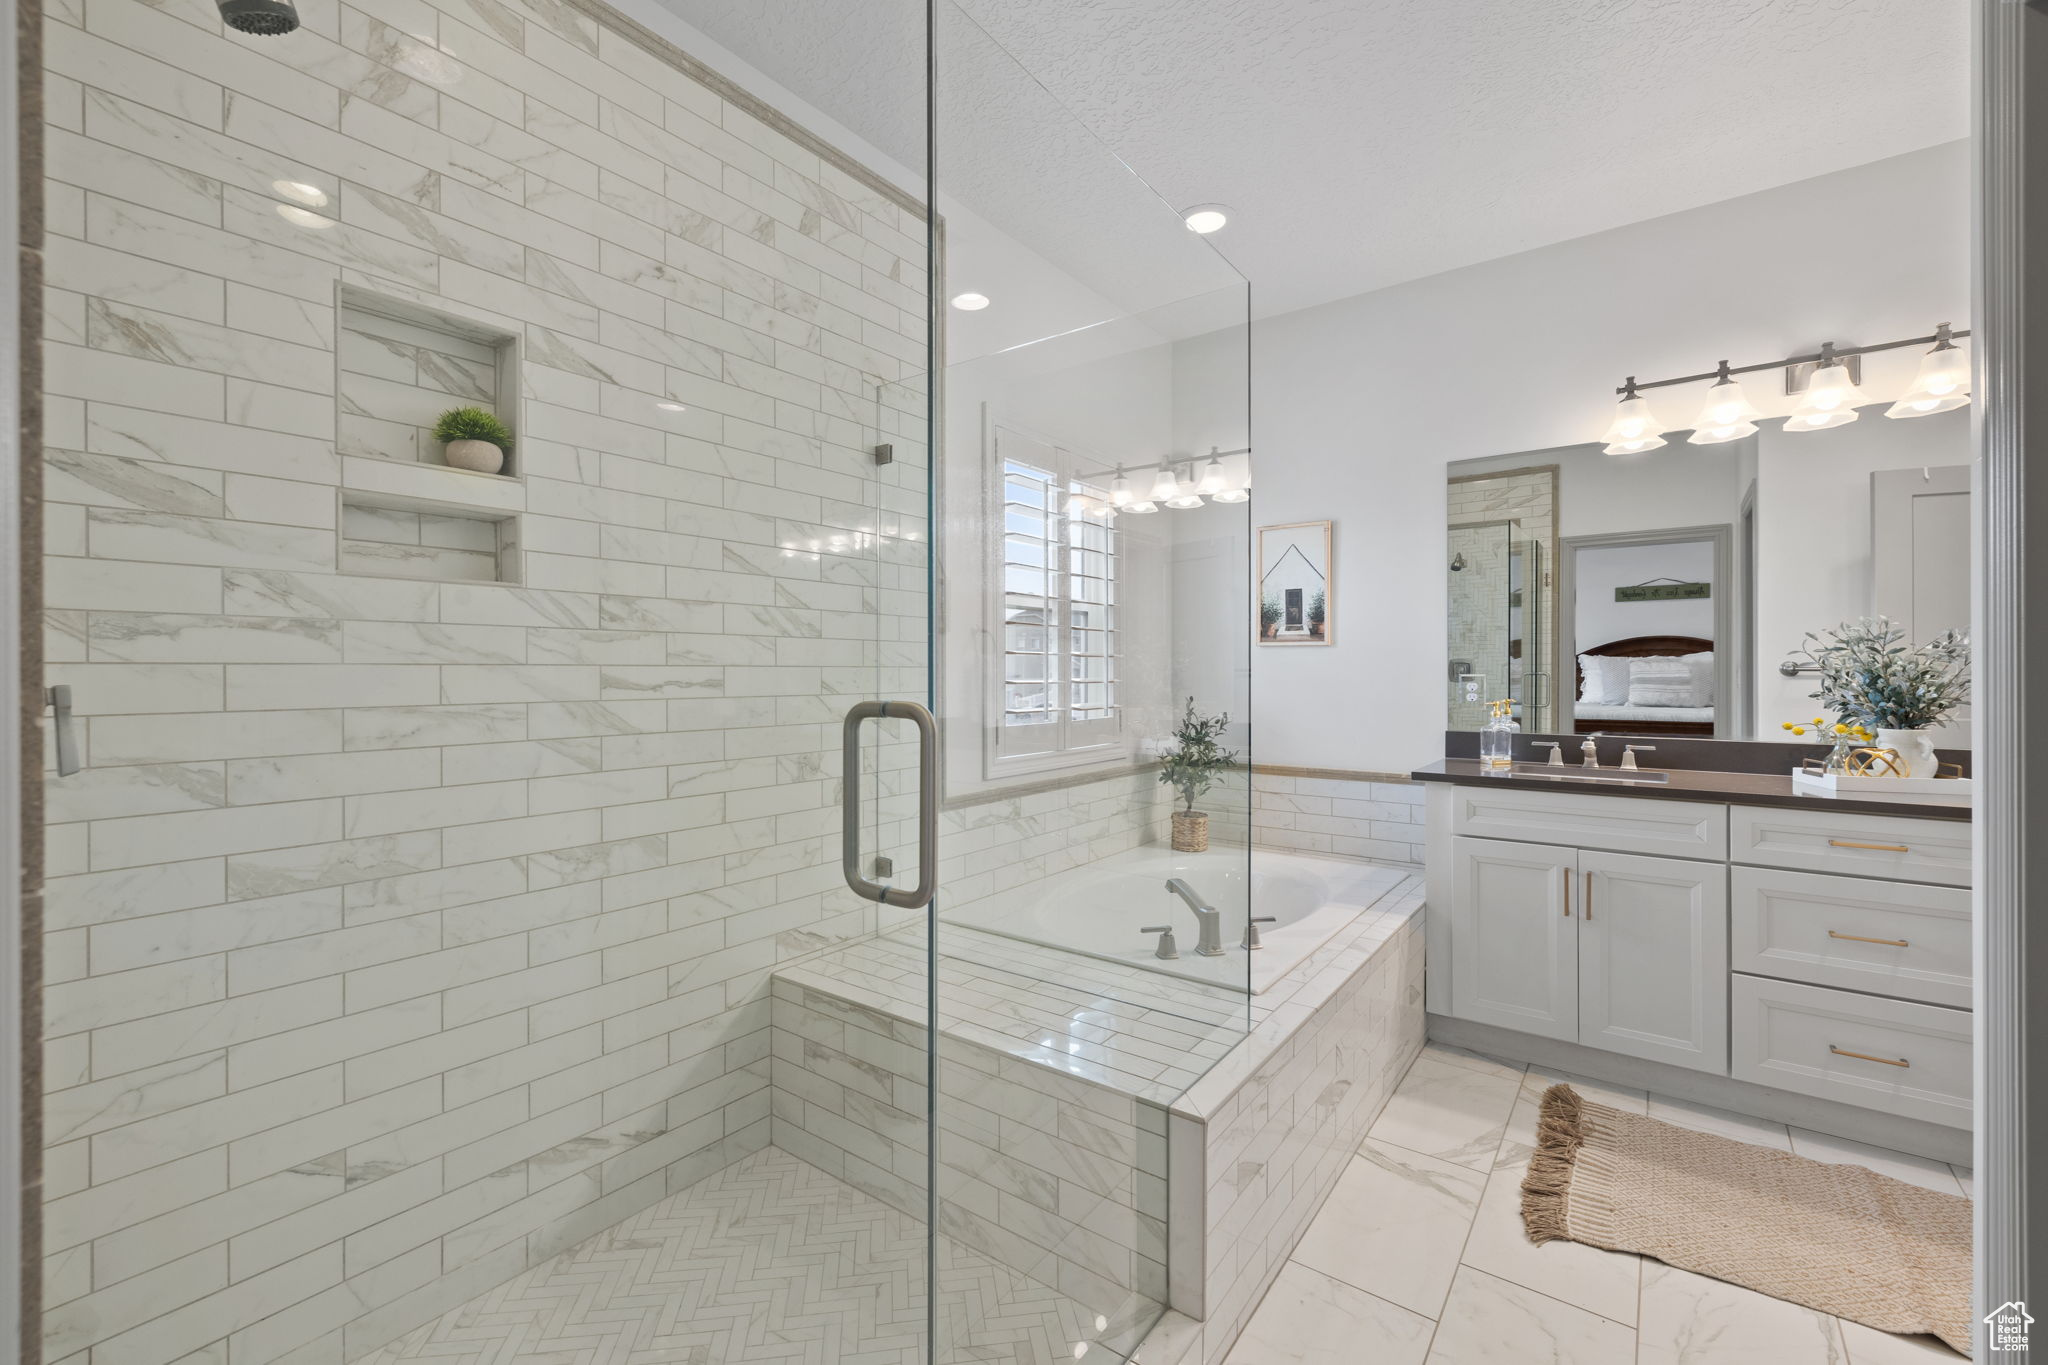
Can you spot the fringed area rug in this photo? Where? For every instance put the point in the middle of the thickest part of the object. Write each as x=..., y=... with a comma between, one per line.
x=1838, y=1239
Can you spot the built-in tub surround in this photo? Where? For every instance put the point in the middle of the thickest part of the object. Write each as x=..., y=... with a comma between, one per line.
x=1100, y=909
x=1256, y=1127
x=404, y=931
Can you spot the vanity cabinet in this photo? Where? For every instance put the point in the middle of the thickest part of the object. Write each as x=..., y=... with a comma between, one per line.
x=1816, y=951
x=1613, y=950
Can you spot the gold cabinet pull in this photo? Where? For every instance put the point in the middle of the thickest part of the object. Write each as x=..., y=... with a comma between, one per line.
x=1851, y=843
x=1586, y=909
x=1567, y=891
x=1859, y=938
x=1866, y=1057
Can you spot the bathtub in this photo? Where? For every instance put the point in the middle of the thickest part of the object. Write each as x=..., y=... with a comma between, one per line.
x=1099, y=909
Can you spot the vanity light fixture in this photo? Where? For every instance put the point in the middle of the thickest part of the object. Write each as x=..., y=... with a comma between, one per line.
x=1186, y=495
x=1728, y=414
x=1634, y=428
x=1213, y=480
x=970, y=302
x=1165, y=487
x=1829, y=385
x=1943, y=383
x=1830, y=399
x=1205, y=218
x=1120, y=490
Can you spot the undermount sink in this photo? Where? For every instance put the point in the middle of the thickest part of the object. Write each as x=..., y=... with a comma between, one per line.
x=1545, y=772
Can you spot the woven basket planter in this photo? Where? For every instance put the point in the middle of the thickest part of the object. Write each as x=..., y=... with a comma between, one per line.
x=1190, y=832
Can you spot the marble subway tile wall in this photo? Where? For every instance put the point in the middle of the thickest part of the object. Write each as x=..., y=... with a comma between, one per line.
x=1378, y=816
x=404, y=928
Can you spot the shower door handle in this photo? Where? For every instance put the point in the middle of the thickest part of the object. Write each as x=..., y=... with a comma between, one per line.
x=927, y=803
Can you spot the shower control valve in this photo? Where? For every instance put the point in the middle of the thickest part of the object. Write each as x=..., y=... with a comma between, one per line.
x=1166, y=947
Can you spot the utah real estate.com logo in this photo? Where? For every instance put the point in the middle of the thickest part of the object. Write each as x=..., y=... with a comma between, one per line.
x=2008, y=1324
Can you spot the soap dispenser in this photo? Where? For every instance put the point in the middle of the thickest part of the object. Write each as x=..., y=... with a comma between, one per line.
x=1497, y=740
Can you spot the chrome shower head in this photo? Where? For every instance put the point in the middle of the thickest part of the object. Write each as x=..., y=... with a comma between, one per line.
x=1458, y=562
x=262, y=18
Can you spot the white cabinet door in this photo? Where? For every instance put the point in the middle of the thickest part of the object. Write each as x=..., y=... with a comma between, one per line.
x=1653, y=959
x=1514, y=952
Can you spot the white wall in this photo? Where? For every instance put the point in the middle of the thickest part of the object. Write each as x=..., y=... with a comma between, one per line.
x=1597, y=570
x=1361, y=402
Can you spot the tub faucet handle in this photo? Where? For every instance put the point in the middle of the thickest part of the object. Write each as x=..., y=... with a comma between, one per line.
x=1556, y=759
x=1166, y=947
x=1251, y=931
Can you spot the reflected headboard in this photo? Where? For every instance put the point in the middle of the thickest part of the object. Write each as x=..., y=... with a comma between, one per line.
x=1643, y=647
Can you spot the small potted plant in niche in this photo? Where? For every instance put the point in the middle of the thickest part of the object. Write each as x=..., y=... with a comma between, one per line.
x=1318, y=612
x=1872, y=675
x=1191, y=767
x=476, y=440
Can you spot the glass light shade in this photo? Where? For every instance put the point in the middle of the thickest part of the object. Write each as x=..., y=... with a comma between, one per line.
x=1942, y=385
x=1232, y=495
x=1213, y=481
x=1727, y=415
x=1185, y=496
x=1829, y=400
x=1164, y=487
x=1120, y=492
x=1081, y=505
x=1634, y=428
x=1139, y=509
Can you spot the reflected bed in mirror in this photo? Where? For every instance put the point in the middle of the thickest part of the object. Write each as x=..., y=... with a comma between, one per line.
x=1657, y=593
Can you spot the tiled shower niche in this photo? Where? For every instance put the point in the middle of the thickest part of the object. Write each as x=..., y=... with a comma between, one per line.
x=401, y=365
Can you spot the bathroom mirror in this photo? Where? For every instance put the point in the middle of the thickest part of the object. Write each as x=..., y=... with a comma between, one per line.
x=1657, y=594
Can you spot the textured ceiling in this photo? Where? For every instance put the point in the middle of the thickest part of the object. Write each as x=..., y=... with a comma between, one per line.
x=1360, y=143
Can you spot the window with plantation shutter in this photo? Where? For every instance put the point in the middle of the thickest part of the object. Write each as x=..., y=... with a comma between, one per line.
x=1055, y=588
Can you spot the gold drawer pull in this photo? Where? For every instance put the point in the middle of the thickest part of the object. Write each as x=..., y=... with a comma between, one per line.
x=1866, y=1057
x=1851, y=843
x=1858, y=938
x=1567, y=891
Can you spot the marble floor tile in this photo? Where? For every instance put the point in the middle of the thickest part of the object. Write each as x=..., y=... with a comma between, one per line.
x=1725, y=1122
x=1917, y=1170
x=1489, y=1321
x=1450, y=1111
x=1394, y=1226
x=1518, y=1140
x=1476, y=1061
x=1602, y=1282
x=1308, y=1318
x=1689, y=1319
x=1868, y=1346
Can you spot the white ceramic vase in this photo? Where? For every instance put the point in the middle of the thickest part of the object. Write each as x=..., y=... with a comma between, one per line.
x=480, y=456
x=1915, y=749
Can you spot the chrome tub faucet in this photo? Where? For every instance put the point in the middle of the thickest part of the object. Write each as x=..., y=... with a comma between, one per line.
x=1206, y=916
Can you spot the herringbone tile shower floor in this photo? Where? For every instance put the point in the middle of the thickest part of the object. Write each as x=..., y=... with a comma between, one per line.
x=771, y=1259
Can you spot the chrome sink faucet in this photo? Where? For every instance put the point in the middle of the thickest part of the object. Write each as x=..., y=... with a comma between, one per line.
x=1591, y=750
x=1206, y=916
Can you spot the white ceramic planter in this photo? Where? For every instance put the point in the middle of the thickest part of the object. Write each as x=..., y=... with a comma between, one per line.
x=1915, y=749
x=480, y=456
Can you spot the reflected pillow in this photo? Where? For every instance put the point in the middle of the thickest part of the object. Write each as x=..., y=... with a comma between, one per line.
x=1606, y=680
x=1702, y=676
x=1662, y=682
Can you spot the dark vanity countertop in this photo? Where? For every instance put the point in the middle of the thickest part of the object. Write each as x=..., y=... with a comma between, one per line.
x=1693, y=784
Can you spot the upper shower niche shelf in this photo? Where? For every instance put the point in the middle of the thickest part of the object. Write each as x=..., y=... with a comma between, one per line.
x=401, y=364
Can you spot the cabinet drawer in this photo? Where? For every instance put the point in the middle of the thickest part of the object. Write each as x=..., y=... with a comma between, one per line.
x=1897, y=1056
x=1901, y=848
x=1679, y=829
x=1894, y=938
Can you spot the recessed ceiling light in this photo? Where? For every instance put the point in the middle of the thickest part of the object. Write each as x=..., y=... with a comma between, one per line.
x=1206, y=218
x=305, y=218
x=299, y=192
x=673, y=407
x=970, y=303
